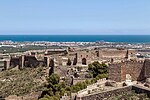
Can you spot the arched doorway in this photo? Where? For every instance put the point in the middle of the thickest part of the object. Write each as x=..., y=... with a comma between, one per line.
x=97, y=53
x=83, y=61
x=69, y=62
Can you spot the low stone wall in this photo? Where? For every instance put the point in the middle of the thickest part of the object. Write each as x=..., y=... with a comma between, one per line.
x=106, y=94
x=140, y=89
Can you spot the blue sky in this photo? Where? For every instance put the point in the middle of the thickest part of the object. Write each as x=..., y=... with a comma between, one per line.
x=75, y=17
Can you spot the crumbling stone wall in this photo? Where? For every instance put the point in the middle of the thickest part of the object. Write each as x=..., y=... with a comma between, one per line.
x=136, y=69
x=25, y=61
x=113, y=53
x=14, y=61
x=31, y=61
x=115, y=72
x=77, y=57
x=84, y=55
x=96, y=55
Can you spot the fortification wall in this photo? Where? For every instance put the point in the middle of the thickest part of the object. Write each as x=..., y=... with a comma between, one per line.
x=115, y=72
x=135, y=69
x=96, y=55
x=147, y=68
x=115, y=92
x=107, y=94
x=113, y=53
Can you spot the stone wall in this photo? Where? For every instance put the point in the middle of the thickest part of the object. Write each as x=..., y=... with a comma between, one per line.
x=138, y=70
x=147, y=68
x=115, y=72
x=24, y=61
x=31, y=61
x=83, y=55
x=14, y=61
x=115, y=92
x=140, y=89
x=113, y=53
x=135, y=69
x=107, y=94
x=52, y=52
x=96, y=55
x=6, y=64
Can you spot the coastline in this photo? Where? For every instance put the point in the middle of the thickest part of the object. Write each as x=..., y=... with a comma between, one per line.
x=77, y=38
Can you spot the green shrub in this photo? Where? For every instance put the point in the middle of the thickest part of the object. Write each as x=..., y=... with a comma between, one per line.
x=53, y=79
x=96, y=68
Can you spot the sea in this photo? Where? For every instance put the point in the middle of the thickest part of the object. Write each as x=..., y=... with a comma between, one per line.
x=77, y=38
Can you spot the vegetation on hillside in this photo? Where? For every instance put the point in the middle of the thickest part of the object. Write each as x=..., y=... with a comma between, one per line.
x=20, y=82
x=56, y=89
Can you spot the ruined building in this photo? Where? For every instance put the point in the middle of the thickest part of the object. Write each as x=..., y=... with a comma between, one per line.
x=64, y=58
x=69, y=64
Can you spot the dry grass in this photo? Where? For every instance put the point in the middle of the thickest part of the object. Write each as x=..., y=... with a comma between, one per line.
x=21, y=82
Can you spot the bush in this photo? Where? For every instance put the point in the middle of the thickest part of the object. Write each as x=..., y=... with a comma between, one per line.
x=96, y=68
x=88, y=82
x=53, y=79
x=100, y=76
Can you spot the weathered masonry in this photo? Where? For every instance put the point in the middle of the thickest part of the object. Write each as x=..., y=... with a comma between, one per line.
x=138, y=70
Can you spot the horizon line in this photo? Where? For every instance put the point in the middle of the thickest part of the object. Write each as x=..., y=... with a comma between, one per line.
x=71, y=34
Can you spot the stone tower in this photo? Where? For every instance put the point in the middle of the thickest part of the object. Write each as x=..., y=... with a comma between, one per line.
x=21, y=61
x=127, y=55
